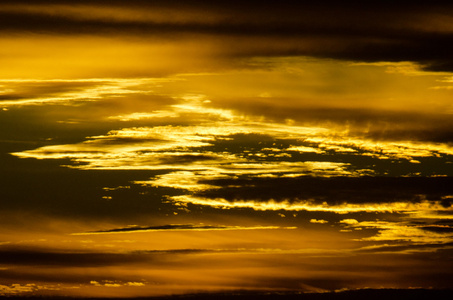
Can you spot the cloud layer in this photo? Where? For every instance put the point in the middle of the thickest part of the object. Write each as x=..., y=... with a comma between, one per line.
x=228, y=31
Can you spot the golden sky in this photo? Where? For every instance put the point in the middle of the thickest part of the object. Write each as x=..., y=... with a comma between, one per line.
x=153, y=148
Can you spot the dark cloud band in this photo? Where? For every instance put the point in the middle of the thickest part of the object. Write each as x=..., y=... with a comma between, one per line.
x=335, y=190
x=361, y=33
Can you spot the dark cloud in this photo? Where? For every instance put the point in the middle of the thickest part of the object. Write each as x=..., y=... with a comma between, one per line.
x=11, y=96
x=67, y=193
x=371, y=294
x=357, y=294
x=438, y=229
x=372, y=32
x=163, y=228
x=378, y=124
x=333, y=190
x=48, y=257
x=44, y=258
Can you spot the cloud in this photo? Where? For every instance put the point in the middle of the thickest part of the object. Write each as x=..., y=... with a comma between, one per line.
x=332, y=190
x=215, y=136
x=370, y=123
x=311, y=206
x=26, y=92
x=290, y=266
x=56, y=258
x=112, y=283
x=415, y=32
x=406, y=232
x=223, y=159
x=18, y=289
x=319, y=221
x=405, y=247
x=349, y=221
x=180, y=227
x=438, y=229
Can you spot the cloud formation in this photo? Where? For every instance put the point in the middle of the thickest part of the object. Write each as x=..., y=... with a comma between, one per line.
x=372, y=32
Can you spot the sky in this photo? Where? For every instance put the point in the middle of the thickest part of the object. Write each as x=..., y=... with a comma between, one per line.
x=153, y=148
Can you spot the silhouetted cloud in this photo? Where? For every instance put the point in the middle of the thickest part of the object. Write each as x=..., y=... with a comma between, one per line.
x=333, y=190
x=179, y=227
x=36, y=257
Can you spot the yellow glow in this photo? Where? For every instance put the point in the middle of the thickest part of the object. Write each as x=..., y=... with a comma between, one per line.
x=86, y=56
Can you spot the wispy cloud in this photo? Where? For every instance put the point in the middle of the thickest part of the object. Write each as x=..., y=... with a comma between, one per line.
x=25, y=92
x=307, y=205
x=405, y=233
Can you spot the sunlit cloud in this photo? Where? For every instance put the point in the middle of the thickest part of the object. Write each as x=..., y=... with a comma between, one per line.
x=196, y=179
x=17, y=289
x=24, y=92
x=319, y=221
x=307, y=205
x=349, y=221
x=382, y=150
x=194, y=156
x=304, y=149
x=140, y=116
x=111, y=283
x=165, y=138
x=404, y=232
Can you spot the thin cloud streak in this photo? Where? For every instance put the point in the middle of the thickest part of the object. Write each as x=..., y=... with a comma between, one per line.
x=179, y=227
